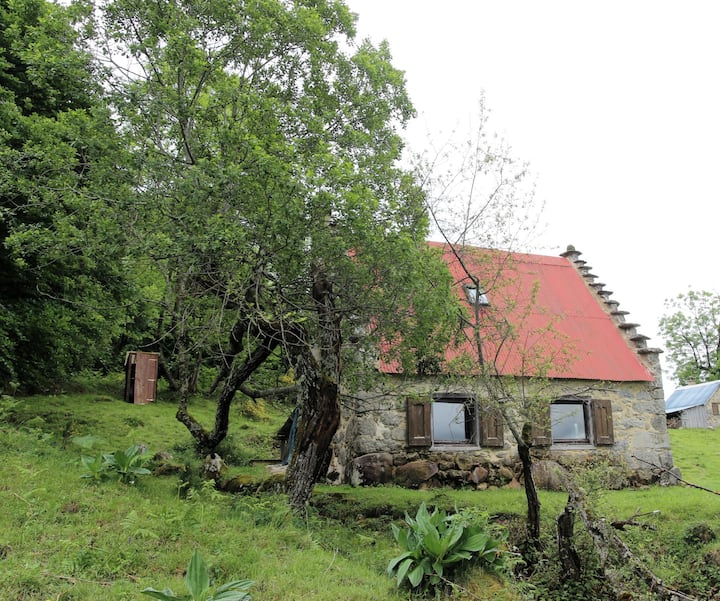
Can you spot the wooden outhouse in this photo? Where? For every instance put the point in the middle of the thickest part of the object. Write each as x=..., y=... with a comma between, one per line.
x=141, y=372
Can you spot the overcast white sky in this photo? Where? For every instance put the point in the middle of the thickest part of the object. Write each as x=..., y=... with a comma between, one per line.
x=615, y=105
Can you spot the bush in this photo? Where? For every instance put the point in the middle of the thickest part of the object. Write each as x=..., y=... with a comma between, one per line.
x=127, y=465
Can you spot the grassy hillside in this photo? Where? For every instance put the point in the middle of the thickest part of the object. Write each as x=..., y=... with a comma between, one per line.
x=66, y=537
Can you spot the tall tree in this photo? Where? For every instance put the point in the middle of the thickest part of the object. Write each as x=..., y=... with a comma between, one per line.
x=691, y=330
x=62, y=290
x=270, y=203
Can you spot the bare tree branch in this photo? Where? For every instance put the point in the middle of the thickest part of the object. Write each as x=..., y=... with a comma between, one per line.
x=664, y=470
x=268, y=392
x=607, y=542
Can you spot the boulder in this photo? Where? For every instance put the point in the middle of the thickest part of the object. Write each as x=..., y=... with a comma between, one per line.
x=213, y=467
x=458, y=476
x=466, y=462
x=478, y=475
x=505, y=474
x=373, y=468
x=546, y=474
x=415, y=473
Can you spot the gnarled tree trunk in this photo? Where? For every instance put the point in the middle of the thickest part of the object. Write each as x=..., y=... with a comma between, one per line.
x=318, y=420
x=205, y=441
x=318, y=407
x=531, y=494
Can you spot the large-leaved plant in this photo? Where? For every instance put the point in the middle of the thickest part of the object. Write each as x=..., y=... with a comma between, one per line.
x=435, y=545
x=197, y=581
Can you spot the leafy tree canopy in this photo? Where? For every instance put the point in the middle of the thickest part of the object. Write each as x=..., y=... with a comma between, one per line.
x=691, y=330
x=266, y=149
x=62, y=289
x=270, y=204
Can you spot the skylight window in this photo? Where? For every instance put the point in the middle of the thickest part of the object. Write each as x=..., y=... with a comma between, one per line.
x=476, y=296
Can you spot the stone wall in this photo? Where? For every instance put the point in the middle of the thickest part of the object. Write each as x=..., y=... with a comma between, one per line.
x=713, y=420
x=371, y=444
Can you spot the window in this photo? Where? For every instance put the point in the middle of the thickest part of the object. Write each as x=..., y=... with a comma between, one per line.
x=576, y=421
x=716, y=408
x=453, y=420
x=476, y=296
x=568, y=422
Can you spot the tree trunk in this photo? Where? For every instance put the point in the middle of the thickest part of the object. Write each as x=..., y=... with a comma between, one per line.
x=263, y=349
x=318, y=420
x=533, y=501
x=609, y=546
x=318, y=407
x=569, y=559
x=207, y=442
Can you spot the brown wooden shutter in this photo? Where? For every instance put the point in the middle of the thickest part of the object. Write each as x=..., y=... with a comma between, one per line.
x=541, y=431
x=602, y=421
x=418, y=423
x=492, y=429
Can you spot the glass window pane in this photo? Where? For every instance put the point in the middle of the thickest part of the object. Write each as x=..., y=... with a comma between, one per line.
x=568, y=421
x=448, y=421
x=475, y=296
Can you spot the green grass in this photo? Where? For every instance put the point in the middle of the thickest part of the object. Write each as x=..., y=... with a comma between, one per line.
x=65, y=538
x=698, y=454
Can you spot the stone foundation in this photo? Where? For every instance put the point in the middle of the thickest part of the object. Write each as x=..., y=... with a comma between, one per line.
x=462, y=470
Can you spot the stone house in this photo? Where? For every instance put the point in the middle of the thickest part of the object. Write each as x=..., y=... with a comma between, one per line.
x=694, y=406
x=557, y=344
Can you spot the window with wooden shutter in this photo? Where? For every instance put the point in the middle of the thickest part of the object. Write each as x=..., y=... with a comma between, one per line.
x=603, y=422
x=492, y=429
x=541, y=432
x=418, y=423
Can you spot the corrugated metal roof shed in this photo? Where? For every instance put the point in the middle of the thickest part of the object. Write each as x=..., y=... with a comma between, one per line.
x=685, y=397
x=558, y=326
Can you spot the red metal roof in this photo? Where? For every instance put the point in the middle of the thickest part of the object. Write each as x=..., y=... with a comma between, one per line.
x=542, y=319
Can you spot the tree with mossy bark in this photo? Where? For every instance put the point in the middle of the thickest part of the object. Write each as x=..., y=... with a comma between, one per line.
x=269, y=202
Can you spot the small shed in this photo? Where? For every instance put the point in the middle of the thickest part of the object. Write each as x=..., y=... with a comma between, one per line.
x=141, y=373
x=694, y=406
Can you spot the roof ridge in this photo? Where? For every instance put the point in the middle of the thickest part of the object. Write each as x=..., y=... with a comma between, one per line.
x=699, y=384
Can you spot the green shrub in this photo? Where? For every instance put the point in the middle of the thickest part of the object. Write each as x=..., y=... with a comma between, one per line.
x=437, y=545
x=128, y=464
x=699, y=534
